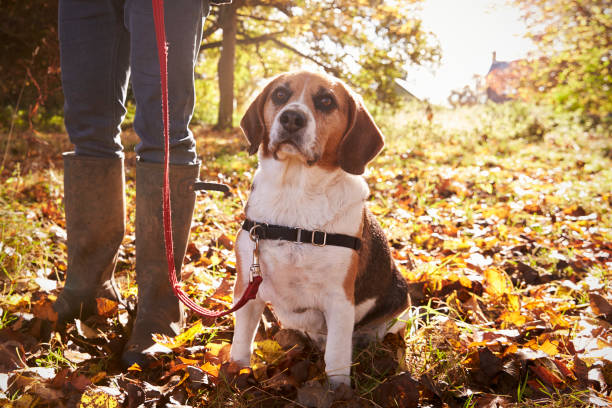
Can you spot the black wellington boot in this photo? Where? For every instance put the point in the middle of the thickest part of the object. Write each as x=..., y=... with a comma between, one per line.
x=159, y=310
x=94, y=204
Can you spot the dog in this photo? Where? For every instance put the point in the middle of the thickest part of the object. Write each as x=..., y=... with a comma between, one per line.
x=325, y=261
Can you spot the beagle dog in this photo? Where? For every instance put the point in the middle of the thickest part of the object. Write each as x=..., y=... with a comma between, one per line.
x=325, y=261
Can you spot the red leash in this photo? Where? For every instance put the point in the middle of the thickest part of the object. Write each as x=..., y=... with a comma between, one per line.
x=162, y=52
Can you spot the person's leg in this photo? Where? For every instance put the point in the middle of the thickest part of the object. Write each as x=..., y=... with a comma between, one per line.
x=158, y=308
x=94, y=51
x=94, y=56
x=183, y=23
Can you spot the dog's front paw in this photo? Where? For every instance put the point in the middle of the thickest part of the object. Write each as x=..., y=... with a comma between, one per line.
x=336, y=381
x=240, y=356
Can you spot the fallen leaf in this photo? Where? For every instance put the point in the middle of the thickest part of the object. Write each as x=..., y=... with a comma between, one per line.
x=85, y=331
x=106, y=307
x=97, y=398
x=313, y=394
x=218, y=353
x=600, y=306
x=43, y=309
x=80, y=382
x=180, y=339
x=76, y=356
x=98, y=377
x=226, y=241
x=398, y=391
x=548, y=376
x=45, y=392
x=211, y=369
x=496, y=282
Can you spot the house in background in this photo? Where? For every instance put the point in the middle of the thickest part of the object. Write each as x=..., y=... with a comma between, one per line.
x=503, y=79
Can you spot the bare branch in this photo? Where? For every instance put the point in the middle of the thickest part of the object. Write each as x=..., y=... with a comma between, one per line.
x=244, y=41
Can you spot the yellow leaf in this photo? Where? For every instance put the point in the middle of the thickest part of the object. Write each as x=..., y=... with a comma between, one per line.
x=496, y=282
x=549, y=348
x=97, y=399
x=513, y=302
x=269, y=351
x=215, y=260
x=378, y=210
x=134, y=367
x=179, y=340
x=514, y=318
x=559, y=322
x=218, y=352
x=215, y=348
x=465, y=281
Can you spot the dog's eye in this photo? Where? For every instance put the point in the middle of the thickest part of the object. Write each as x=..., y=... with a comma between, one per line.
x=280, y=96
x=324, y=102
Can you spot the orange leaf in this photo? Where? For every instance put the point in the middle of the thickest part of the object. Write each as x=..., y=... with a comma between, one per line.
x=547, y=376
x=188, y=361
x=211, y=369
x=98, y=377
x=43, y=309
x=106, y=307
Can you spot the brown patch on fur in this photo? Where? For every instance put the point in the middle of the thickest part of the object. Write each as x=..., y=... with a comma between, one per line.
x=378, y=276
x=349, y=279
x=334, y=129
x=353, y=270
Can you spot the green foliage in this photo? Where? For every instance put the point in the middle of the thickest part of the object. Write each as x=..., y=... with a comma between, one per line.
x=29, y=55
x=573, y=69
x=367, y=43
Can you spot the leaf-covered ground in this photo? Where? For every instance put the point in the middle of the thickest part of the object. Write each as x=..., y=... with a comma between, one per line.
x=498, y=216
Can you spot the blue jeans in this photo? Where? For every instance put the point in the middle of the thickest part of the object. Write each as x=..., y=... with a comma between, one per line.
x=105, y=43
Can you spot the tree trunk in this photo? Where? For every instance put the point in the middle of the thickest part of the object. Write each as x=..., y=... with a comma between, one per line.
x=225, y=67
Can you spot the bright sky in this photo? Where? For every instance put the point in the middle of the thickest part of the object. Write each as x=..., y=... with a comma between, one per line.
x=468, y=32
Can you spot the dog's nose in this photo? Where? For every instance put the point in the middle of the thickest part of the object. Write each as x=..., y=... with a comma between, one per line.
x=292, y=120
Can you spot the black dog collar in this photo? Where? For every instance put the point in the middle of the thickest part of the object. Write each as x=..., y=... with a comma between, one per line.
x=317, y=238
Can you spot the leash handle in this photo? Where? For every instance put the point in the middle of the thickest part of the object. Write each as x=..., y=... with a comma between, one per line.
x=162, y=53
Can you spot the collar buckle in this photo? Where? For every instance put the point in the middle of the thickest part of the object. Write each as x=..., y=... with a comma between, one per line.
x=314, y=242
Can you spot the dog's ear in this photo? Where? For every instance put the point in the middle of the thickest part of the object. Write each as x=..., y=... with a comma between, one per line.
x=252, y=123
x=362, y=140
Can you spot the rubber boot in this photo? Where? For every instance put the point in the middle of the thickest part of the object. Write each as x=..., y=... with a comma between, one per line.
x=94, y=204
x=159, y=311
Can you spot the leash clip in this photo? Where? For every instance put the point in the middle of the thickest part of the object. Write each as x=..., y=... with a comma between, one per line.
x=255, y=269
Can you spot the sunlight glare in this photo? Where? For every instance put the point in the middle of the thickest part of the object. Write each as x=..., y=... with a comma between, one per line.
x=468, y=32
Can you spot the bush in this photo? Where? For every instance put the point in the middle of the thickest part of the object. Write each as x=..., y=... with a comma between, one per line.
x=29, y=55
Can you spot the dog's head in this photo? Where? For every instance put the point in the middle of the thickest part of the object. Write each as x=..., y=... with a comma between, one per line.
x=314, y=118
